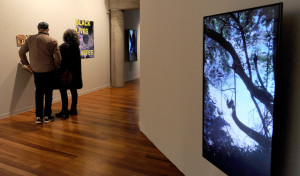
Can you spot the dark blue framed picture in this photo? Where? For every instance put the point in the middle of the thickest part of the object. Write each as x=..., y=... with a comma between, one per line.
x=132, y=45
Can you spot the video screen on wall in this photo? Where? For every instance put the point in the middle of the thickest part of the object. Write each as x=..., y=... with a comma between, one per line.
x=131, y=34
x=240, y=53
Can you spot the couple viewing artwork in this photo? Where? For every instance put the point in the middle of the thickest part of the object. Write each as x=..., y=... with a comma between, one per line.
x=48, y=61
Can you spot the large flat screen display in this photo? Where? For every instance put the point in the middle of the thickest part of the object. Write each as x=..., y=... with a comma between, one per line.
x=132, y=45
x=240, y=53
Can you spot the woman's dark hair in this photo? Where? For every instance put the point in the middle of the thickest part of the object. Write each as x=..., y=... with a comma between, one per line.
x=71, y=37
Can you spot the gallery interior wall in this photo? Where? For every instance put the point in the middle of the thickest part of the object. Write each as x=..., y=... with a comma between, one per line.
x=18, y=17
x=132, y=21
x=171, y=80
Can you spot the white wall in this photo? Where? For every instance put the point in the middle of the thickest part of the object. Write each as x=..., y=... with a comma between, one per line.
x=21, y=17
x=171, y=80
x=132, y=21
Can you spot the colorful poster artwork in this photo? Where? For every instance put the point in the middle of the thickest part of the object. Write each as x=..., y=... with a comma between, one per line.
x=85, y=30
x=21, y=39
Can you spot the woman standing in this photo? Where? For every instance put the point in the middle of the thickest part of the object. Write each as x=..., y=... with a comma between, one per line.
x=71, y=60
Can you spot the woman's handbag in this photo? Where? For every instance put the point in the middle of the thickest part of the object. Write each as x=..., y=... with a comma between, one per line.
x=66, y=78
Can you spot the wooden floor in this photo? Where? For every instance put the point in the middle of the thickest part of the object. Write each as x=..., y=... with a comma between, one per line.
x=103, y=139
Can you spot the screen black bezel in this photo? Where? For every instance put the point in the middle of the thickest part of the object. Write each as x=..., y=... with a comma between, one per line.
x=276, y=120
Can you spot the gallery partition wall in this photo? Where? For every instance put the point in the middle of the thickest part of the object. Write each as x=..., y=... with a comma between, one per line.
x=172, y=82
x=132, y=22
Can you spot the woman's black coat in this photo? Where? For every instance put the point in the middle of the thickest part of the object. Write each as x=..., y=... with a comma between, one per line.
x=71, y=59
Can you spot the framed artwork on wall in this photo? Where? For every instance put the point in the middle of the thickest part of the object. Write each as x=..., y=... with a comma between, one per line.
x=85, y=30
x=240, y=53
x=132, y=45
x=20, y=39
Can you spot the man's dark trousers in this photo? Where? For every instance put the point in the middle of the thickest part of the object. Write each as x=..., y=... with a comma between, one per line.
x=44, y=88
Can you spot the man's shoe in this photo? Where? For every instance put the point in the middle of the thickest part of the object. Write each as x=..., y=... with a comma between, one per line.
x=49, y=119
x=39, y=120
x=73, y=111
x=63, y=114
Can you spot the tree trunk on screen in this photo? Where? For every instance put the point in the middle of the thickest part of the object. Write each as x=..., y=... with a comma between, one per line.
x=259, y=138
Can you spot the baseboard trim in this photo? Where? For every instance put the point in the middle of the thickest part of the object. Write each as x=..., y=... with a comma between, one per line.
x=18, y=111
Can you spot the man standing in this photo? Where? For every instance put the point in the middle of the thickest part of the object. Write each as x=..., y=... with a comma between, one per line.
x=44, y=57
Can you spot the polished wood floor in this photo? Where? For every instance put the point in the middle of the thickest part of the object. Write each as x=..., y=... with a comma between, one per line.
x=103, y=139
